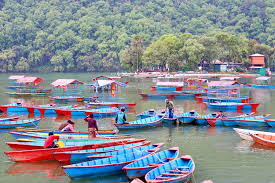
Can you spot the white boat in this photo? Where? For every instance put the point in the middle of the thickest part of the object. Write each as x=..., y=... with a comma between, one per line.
x=245, y=133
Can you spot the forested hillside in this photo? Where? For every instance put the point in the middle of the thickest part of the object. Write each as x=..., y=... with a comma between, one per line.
x=92, y=35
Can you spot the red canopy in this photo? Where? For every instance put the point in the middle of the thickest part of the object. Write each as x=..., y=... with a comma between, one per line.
x=222, y=83
x=65, y=82
x=27, y=80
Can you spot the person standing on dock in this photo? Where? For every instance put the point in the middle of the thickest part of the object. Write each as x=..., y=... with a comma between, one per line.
x=92, y=125
x=170, y=107
x=121, y=117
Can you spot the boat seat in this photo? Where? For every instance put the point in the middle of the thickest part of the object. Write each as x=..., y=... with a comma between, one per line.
x=183, y=167
x=172, y=174
x=261, y=135
x=163, y=177
x=267, y=137
x=153, y=164
x=178, y=171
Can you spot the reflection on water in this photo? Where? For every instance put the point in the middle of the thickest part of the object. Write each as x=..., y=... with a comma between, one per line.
x=244, y=146
x=51, y=169
x=262, y=148
x=118, y=178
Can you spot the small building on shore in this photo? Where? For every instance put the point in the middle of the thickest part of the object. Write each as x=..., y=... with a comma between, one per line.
x=219, y=66
x=257, y=64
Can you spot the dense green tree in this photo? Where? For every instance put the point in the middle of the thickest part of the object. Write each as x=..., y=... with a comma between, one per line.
x=68, y=36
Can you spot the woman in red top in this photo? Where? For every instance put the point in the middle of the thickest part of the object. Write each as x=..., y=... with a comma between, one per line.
x=92, y=125
x=49, y=142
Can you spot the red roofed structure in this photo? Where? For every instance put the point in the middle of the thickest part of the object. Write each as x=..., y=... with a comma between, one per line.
x=257, y=60
x=63, y=83
x=27, y=80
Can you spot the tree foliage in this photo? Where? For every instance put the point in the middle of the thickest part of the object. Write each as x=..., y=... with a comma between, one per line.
x=68, y=36
x=187, y=51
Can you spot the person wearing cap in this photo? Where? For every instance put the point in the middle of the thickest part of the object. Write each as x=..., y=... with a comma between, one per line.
x=92, y=125
x=69, y=127
x=49, y=142
x=121, y=117
x=170, y=107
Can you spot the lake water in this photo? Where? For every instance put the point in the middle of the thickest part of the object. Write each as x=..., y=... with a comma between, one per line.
x=218, y=152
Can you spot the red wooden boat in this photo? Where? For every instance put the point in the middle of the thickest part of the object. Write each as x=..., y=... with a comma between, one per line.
x=38, y=145
x=267, y=140
x=47, y=154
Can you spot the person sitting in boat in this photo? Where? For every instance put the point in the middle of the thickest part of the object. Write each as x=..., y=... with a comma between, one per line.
x=69, y=127
x=63, y=125
x=170, y=107
x=121, y=117
x=220, y=115
x=92, y=125
x=49, y=142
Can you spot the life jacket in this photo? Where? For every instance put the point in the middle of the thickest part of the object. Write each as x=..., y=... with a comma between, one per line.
x=120, y=119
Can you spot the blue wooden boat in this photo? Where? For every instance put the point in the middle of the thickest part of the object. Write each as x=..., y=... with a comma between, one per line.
x=188, y=117
x=178, y=170
x=12, y=118
x=214, y=100
x=42, y=136
x=270, y=122
x=71, y=157
x=201, y=120
x=142, y=123
x=159, y=88
x=14, y=107
x=50, y=110
x=166, y=119
x=19, y=123
x=146, y=114
x=231, y=106
x=255, y=121
x=111, y=104
x=46, y=132
x=261, y=86
x=220, y=121
x=140, y=167
x=102, y=112
x=105, y=166
x=159, y=95
x=233, y=122
x=124, y=151
x=67, y=98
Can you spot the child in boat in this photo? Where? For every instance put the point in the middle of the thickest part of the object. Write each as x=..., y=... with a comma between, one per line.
x=69, y=127
x=121, y=117
x=92, y=125
x=170, y=107
x=49, y=142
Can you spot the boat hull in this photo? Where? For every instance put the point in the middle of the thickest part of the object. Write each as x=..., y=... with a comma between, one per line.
x=47, y=154
x=23, y=124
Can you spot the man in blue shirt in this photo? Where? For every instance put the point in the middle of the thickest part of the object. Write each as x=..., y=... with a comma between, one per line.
x=121, y=117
